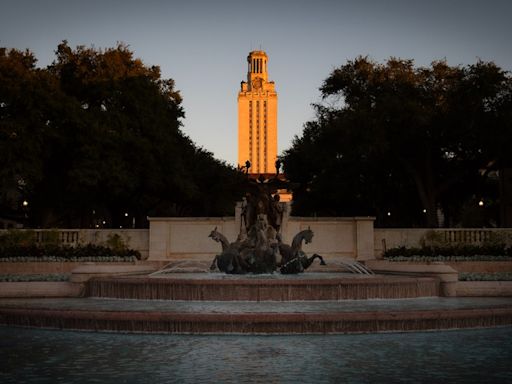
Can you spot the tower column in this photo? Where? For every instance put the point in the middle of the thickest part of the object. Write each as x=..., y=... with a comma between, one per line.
x=257, y=117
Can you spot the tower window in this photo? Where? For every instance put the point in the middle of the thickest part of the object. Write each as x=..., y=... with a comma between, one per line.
x=258, y=135
x=250, y=131
x=265, y=134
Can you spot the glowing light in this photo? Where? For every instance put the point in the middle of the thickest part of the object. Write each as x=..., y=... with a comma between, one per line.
x=481, y=203
x=424, y=211
x=126, y=214
x=389, y=213
x=25, y=203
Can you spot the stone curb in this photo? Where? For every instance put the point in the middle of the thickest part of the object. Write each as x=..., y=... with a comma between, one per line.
x=41, y=289
x=484, y=288
x=259, y=323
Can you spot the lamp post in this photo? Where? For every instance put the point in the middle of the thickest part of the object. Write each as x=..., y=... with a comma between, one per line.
x=24, y=208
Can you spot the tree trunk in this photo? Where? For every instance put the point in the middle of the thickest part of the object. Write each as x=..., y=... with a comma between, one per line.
x=426, y=192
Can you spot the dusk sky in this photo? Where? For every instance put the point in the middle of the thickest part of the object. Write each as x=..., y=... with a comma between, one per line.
x=203, y=45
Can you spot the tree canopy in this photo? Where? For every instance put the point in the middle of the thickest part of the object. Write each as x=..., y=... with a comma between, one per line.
x=407, y=144
x=96, y=137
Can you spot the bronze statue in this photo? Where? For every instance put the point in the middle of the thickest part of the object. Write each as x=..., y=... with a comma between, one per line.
x=258, y=248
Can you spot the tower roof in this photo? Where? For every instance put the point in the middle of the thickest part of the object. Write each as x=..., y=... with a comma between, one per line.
x=257, y=53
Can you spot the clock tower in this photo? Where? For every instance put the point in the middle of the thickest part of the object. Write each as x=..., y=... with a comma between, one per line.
x=257, y=117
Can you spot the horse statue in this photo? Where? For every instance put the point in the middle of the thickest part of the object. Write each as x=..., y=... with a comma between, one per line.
x=294, y=260
x=260, y=250
x=230, y=260
x=219, y=238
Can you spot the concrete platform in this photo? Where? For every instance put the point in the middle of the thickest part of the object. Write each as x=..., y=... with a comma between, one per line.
x=313, y=317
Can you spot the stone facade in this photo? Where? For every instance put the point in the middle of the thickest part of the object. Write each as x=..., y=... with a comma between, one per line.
x=257, y=117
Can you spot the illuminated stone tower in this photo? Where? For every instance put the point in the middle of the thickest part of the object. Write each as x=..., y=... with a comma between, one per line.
x=257, y=117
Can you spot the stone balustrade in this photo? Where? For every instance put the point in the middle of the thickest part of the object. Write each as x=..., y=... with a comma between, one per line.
x=385, y=238
x=134, y=238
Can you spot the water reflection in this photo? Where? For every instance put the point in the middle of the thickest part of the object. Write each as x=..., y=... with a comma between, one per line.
x=45, y=356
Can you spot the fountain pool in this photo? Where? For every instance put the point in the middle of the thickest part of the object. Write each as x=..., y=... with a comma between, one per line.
x=45, y=356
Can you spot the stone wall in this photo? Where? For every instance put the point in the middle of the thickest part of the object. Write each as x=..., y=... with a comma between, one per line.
x=334, y=237
x=187, y=238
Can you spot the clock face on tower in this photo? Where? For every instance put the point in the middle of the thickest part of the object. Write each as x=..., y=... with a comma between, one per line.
x=257, y=83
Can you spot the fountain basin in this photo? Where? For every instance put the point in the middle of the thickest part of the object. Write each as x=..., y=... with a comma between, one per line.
x=255, y=318
x=275, y=287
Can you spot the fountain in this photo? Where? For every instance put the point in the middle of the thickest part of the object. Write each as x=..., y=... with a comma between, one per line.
x=259, y=266
x=259, y=247
x=256, y=285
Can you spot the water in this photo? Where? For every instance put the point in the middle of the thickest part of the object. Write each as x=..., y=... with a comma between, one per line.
x=44, y=356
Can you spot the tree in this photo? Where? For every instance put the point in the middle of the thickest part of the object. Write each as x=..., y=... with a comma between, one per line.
x=24, y=92
x=401, y=142
x=110, y=146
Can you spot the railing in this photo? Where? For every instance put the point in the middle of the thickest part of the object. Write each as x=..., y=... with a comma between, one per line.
x=64, y=237
x=386, y=238
x=467, y=236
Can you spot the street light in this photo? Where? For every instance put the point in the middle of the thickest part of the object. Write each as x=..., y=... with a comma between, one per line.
x=481, y=203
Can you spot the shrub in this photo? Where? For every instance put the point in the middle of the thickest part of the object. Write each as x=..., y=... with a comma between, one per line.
x=16, y=238
x=50, y=238
x=22, y=244
x=498, y=276
x=28, y=278
x=433, y=239
x=116, y=243
x=490, y=249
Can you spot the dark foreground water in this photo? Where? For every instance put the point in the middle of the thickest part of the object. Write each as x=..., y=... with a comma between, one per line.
x=44, y=356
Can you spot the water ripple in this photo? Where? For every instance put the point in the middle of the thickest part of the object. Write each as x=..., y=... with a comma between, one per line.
x=44, y=356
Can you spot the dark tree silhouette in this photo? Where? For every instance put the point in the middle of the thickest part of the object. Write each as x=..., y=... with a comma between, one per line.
x=402, y=142
x=97, y=135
